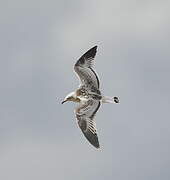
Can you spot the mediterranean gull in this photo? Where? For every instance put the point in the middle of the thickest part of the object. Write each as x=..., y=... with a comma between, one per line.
x=88, y=96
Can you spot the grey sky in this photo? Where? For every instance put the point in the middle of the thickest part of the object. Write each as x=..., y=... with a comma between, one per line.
x=40, y=41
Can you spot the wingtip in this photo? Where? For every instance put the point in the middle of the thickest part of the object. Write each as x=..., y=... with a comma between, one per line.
x=95, y=143
x=93, y=50
x=92, y=138
x=97, y=147
x=95, y=47
x=91, y=53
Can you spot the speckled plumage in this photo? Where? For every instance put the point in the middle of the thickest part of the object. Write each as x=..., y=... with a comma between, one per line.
x=88, y=96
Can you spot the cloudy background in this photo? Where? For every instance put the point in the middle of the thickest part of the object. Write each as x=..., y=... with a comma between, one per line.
x=39, y=43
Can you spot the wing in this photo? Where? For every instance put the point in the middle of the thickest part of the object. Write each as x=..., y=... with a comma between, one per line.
x=85, y=115
x=83, y=68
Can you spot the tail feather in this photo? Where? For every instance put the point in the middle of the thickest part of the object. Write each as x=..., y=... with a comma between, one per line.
x=106, y=99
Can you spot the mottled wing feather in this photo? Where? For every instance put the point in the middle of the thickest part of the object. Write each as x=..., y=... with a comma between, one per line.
x=85, y=115
x=83, y=68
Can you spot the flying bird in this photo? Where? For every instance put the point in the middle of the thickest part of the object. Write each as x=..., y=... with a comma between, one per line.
x=88, y=96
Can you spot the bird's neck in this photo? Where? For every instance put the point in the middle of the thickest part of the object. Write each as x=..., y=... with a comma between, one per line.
x=75, y=99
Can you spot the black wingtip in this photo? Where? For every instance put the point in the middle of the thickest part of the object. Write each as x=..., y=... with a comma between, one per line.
x=97, y=147
x=92, y=138
x=95, y=47
x=91, y=52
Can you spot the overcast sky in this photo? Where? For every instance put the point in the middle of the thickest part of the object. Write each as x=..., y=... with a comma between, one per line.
x=40, y=41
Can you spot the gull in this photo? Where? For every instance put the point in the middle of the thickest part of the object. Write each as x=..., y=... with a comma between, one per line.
x=88, y=96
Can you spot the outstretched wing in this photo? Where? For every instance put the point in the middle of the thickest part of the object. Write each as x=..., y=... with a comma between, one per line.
x=83, y=68
x=85, y=114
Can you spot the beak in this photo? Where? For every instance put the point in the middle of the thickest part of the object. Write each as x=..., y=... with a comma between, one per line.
x=63, y=101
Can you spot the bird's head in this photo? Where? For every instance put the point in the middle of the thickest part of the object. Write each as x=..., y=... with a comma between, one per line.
x=71, y=97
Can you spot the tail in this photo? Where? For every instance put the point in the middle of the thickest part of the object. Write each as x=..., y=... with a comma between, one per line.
x=106, y=99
